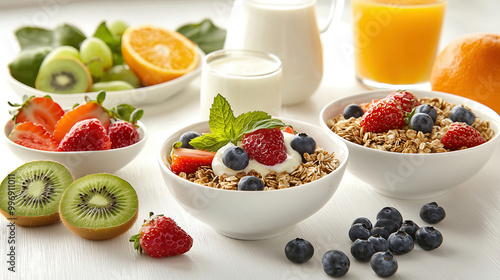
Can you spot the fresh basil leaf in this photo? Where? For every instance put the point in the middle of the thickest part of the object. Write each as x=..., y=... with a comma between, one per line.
x=205, y=34
x=114, y=42
x=209, y=142
x=33, y=37
x=67, y=35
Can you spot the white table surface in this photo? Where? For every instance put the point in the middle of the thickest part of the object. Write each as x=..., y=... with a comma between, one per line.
x=471, y=248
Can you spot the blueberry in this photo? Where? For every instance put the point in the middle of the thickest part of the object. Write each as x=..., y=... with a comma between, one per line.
x=235, y=158
x=428, y=238
x=250, y=183
x=390, y=225
x=432, y=213
x=353, y=110
x=390, y=213
x=335, y=263
x=384, y=264
x=303, y=143
x=187, y=137
x=379, y=243
x=299, y=250
x=381, y=231
x=422, y=122
x=461, y=114
x=358, y=231
x=362, y=250
x=427, y=109
x=410, y=227
x=400, y=243
x=364, y=221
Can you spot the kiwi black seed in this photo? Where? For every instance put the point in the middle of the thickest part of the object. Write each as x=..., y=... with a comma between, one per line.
x=99, y=206
x=30, y=195
x=63, y=75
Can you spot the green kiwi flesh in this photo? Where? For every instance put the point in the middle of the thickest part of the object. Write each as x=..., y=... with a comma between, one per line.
x=63, y=75
x=99, y=206
x=30, y=195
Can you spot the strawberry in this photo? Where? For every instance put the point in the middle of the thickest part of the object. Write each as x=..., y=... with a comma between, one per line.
x=122, y=134
x=40, y=110
x=160, y=237
x=461, y=135
x=86, y=135
x=288, y=129
x=383, y=116
x=405, y=99
x=366, y=106
x=188, y=160
x=91, y=109
x=33, y=136
x=266, y=146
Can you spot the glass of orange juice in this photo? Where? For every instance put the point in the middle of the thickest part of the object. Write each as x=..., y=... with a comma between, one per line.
x=396, y=41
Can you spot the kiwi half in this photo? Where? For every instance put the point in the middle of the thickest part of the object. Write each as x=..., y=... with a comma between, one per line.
x=99, y=206
x=30, y=195
x=63, y=75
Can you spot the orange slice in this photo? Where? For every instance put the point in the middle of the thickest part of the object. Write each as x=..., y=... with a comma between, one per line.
x=158, y=55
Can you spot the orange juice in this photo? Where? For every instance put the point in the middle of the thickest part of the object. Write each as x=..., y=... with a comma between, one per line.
x=396, y=41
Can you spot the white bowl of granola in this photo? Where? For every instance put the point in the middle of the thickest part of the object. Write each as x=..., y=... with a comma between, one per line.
x=422, y=170
x=253, y=215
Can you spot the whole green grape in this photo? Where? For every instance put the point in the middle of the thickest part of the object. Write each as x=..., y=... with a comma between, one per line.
x=122, y=73
x=96, y=55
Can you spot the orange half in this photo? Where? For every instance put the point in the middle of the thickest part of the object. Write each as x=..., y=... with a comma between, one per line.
x=158, y=55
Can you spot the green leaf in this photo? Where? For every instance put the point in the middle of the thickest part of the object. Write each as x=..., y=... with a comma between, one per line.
x=33, y=37
x=101, y=96
x=24, y=67
x=221, y=118
x=205, y=34
x=67, y=35
x=114, y=42
x=260, y=124
x=136, y=115
x=209, y=142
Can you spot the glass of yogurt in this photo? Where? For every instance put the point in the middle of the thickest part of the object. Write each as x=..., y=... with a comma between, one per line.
x=249, y=80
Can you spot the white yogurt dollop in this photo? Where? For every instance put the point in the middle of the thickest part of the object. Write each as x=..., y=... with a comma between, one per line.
x=292, y=161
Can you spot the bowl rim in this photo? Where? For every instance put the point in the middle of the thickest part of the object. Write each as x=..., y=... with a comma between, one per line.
x=142, y=132
x=367, y=93
x=340, y=167
x=190, y=75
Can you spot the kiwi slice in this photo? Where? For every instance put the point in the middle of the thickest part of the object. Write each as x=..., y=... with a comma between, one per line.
x=30, y=195
x=99, y=206
x=63, y=75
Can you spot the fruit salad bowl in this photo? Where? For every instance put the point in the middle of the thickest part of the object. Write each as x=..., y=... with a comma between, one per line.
x=417, y=175
x=138, y=96
x=253, y=215
x=81, y=163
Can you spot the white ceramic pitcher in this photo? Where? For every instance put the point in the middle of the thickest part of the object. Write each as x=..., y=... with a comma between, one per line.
x=288, y=29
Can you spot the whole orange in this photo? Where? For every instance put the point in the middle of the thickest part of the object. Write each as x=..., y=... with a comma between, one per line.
x=470, y=67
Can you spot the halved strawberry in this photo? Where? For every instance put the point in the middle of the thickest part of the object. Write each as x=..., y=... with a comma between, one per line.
x=32, y=135
x=89, y=110
x=188, y=160
x=39, y=110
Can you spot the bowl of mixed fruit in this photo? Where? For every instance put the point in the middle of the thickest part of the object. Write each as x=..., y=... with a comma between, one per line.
x=251, y=176
x=69, y=65
x=416, y=144
x=88, y=138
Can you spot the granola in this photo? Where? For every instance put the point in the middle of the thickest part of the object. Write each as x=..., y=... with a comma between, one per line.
x=317, y=165
x=406, y=140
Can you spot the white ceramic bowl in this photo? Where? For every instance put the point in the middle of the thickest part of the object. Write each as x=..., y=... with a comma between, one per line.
x=253, y=215
x=84, y=162
x=139, y=96
x=415, y=176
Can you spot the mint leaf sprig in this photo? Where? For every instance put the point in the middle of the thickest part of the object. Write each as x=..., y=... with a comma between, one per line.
x=225, y=127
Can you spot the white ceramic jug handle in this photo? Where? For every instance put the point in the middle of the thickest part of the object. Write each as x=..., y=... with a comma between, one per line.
x=334, y=15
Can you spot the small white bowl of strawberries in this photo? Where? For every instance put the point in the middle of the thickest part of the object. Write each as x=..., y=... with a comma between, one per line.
x=87, y=138
x=413, y=144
